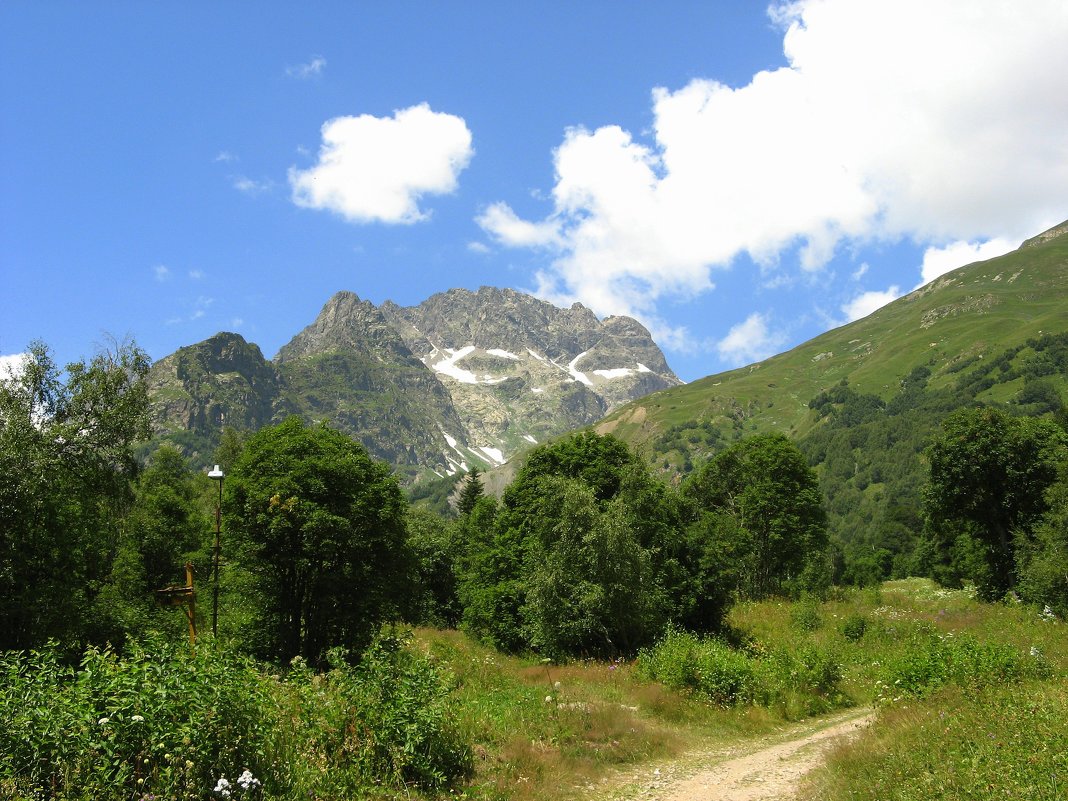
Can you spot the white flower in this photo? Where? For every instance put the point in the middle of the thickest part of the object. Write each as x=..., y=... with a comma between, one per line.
x=247, y=780
x=548, y=699
x=104, y=721
x=222, y=787
x=138, y=718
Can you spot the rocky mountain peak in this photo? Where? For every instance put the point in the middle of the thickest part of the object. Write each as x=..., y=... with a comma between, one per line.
x=348, y=324
x=463, y=379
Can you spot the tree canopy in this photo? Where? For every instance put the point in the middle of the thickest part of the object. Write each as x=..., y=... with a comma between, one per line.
x=764, y=501
x=66, y=459
x=320, y=527
x=987, y=480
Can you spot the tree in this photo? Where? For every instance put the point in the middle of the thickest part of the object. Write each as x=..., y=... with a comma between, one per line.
x=433, y=542
x=320, y=527
x=164, y=527
x=987, y=478
x=583, y=556
x=777, y=524
x=66, y=460
x=470, y=491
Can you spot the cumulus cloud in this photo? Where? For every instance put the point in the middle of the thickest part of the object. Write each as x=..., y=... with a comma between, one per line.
x=893, y=119
x=311, y=69
x=12, y=365
x=867, y=302
x=376, y=169
x=750, y=341
x=162, y=272
x=940, y=260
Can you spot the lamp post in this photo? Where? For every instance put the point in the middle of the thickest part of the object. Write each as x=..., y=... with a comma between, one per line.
x=216, y=475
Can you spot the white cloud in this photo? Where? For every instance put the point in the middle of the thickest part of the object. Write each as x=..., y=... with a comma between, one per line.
x=12, y=365
x=250, y=186
x=478, y=247
x=894, y=119
x=500, y=221
x=196, y=275
x=162, y=272
x=867, y=302
x=861, y=271
x=225, y=156
x=750, y=341
x=375, y=169
x=939, y=261
x=311, y=69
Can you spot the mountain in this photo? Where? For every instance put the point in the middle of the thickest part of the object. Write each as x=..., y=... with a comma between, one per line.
x=948, y=326
x=863, y=401
x=463, y=379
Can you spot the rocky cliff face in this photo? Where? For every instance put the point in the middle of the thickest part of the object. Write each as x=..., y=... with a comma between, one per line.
x=463, y=379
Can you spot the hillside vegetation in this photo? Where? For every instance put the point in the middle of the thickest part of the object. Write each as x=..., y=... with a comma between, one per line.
x=865, y=400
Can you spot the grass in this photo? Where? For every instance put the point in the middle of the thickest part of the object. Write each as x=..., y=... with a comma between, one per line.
x=972, y=701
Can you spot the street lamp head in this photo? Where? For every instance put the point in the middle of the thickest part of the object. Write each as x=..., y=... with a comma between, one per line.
x=216, y=474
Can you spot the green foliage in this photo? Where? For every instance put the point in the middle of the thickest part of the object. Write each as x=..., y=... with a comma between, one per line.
x=854, y=626
x=764, y=484
x=433, y=543
x=155, y=722
x=66, y=457
x=160, y=722
x=704, y=665
x=987, y=480
x=164, y=528
x=994, y=742
x=802, y=681
x=938, y=659
x=586, y=556
x=404, y=727
x=319, y=527
x=470, y=491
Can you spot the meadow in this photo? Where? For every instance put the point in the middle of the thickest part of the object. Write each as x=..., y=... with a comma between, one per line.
x=971, y=699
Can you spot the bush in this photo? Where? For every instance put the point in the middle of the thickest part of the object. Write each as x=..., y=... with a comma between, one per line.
x=159, y=722
x=155, y=722
x=962, y=660
x=853, y=627
x=702, y=665
x=801, y=683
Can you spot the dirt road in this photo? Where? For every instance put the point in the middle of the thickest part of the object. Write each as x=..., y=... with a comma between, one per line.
x=769, y=770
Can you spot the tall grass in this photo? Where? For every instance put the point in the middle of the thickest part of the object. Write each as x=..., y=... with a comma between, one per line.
x=969, y=695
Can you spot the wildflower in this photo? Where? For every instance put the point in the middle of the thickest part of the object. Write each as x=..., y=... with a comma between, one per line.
x=222, y=787
x=556, y=686
x=548, y=699
x=189, y=764
x=138, y=719
x=103, y=721
x=247, y=780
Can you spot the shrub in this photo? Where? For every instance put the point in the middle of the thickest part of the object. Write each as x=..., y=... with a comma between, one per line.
x=961, y=659
x=155, y=722
x=683, y=661
x=853, y=627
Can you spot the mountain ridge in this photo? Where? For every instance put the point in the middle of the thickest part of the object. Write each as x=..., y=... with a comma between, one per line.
x=465, y=379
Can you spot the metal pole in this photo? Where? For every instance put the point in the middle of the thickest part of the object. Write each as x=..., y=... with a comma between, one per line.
x=218, y=546
x=216, y=475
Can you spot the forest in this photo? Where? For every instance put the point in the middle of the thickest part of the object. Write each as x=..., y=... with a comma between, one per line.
x=590, y=557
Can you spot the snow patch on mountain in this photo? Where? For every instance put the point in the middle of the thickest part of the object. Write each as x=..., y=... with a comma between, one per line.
x=576, y=373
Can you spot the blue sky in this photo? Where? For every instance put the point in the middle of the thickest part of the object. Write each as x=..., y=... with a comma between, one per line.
x=740, y=177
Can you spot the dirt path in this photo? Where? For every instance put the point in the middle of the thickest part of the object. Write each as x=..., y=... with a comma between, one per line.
x=769, y=770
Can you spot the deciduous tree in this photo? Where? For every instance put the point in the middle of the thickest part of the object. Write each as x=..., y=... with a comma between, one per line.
x=320, y=527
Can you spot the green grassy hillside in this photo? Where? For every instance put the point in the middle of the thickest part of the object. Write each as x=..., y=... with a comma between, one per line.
x=949, y=325
x=863, y=401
